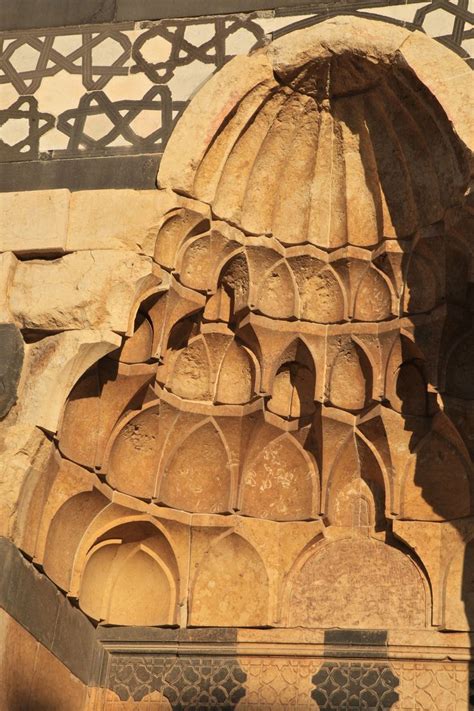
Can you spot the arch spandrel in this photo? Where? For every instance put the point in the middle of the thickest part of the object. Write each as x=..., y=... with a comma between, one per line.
x=314, y=208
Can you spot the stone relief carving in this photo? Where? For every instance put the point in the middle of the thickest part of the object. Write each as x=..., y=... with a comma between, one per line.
x=281, y=366
x=118, y=73
x=288, y=411
x=189, y=684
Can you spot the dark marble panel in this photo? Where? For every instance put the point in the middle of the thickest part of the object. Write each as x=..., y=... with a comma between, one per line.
x=140, y=635
x=23, y=14
x=37, y=605
x=344, y=686
x=74, y=640
x=26, y=14
x=11, y=362
x=356, y=643
x=191, y=683
x=135, y=171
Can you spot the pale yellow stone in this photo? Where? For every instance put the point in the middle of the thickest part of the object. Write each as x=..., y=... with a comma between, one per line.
x=122, y=219
x=195, y=130
x=52, y=366
x=90, y=289
x=22, y=447
x=340, y=35
x=34, y=221
x=114, y=219
x=8, y=263
x=449, y=79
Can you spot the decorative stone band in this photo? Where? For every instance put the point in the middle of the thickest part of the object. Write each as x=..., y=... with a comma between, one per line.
x=210, y=668
x=127, y=83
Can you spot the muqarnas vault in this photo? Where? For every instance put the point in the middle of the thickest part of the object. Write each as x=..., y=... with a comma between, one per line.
x=281, y=446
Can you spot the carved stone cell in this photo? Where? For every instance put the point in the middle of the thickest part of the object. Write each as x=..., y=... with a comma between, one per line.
x=268, y=428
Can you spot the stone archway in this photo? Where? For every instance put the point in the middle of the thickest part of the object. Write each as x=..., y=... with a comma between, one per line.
x=282, y=397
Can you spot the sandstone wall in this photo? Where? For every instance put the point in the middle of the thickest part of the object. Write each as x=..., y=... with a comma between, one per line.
x=237, y=415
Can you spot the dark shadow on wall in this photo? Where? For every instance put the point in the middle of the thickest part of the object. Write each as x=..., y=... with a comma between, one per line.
x=436, y=390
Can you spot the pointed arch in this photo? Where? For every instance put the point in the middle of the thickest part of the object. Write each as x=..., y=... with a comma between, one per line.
x=197, y=475
x=190, y=375
x=236, y=377
x=132, y=452
x=394, y=595
x=374, y=299
x=228, y=569
x=277, y=296
x=281, y=482
x=351, y=378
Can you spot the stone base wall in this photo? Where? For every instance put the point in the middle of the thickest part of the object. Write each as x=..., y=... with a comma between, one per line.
x=32, y=678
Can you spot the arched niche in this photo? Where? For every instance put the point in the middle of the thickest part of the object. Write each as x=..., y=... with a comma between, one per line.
x=357, y=582
x=191, y=376
x=178, y=226
x=294, y=383
x=132, y=454
x=356, y=488
x=130, y=577
x=277, y=296
x=406, y=386
x=102, y=395
x=200, y=258
x=137, y=348
x=322, y=297
x=420, y=293
x=197, y=475
x=280, y=482
x=236, y=376
x=213, y=367
x=229, y=569
x=436, y=486
x=350, y=378
x=65, y=533
x=459, y=374
x=374, y=297
x=370, y=141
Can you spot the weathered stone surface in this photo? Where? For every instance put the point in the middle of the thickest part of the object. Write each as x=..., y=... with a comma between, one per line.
x=337, y=36
x=114, y=219
x=453, y=87
x=52, y=367
x=22, y=448
x=34, y=222
x=373, y=586
x=210, y=107
x=8, y=263
x=83, y=290
x=280, y=446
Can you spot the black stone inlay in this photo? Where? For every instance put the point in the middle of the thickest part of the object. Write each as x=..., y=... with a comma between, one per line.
x=94, y=173
x=189, y=683
x=16, y=14
x=25, y=108
x=346, y=686
x=356, y=637
x=11, y=361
